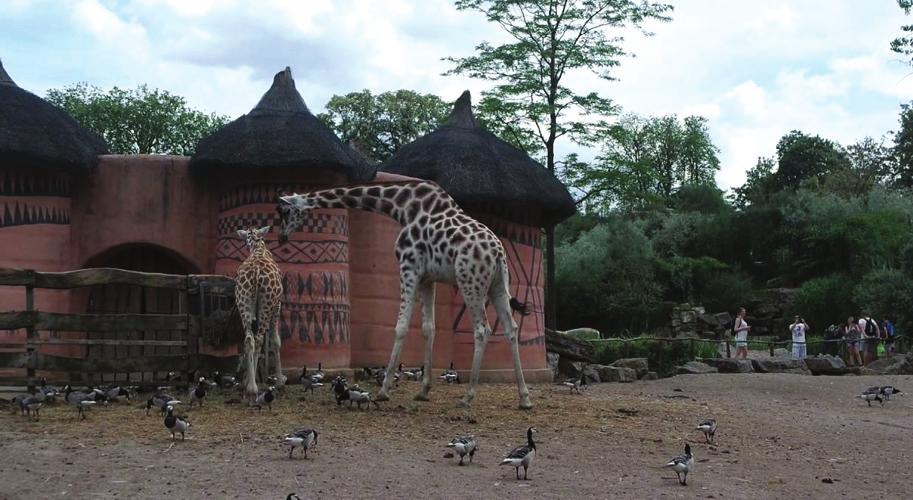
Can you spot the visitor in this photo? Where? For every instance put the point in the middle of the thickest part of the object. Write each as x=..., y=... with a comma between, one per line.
x=889, y=336
x=851, y=334
x=798, y=329
x=741, y=328
x=832, y=337
x=870, y=333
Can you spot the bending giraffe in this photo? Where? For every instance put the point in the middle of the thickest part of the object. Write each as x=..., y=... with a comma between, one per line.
x=258, y=294
x=438, y=243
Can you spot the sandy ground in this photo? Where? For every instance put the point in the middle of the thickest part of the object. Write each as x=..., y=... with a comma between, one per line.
x=785, y=436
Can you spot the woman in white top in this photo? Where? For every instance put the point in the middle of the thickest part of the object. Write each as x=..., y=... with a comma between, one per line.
x=741, y=329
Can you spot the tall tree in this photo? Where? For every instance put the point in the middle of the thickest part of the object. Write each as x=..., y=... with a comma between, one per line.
x=758, y=184
x=904, y=44
x=380, y=124
x=801, y=156
x=903, y=148
x=549, y=39
x=645, y=161
x=137, y=121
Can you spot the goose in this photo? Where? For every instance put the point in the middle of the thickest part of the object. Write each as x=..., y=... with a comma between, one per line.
x=412, y=373
x=682, y=465
x=32, y=404
x=868, y=396
x=708, y=427
x=266, y=398
x=116, y=392
x=50, y=393
x=318, y=376
x=351, y=394
x=464, y=445
x=303, y=438
x=198, y=392
x=575, y=384
x=888, y=391
x=292, y=496
x=161, y=401
x=98, y=395
x=450, y=375
x=224, y=381
x=78, y=400
x=176, y=424
x=522, y=455
x=308, y=382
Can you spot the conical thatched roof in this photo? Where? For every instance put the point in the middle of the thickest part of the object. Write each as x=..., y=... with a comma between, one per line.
x=478, y=169
x=279, y=132
x=36, y=134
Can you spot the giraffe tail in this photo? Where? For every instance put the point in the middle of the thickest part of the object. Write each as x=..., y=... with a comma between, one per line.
x=521, y=307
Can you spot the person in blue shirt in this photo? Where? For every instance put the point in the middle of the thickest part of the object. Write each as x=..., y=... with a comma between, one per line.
x=889, y=335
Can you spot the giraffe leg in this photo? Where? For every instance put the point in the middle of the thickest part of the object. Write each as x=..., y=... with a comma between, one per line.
x=426, y=293
x=482, y=331
x=275, y=346
x=501, y=302
x=250, y=362
x=408, y=284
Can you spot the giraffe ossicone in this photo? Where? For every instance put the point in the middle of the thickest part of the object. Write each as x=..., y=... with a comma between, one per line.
x=439, y=243
x=258, y=295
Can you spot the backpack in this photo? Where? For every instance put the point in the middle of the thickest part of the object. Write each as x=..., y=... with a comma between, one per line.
x=870, y=327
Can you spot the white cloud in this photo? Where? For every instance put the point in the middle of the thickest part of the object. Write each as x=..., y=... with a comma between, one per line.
x=104, y=24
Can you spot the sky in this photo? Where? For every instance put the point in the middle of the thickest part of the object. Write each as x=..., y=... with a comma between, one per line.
x=755, y=69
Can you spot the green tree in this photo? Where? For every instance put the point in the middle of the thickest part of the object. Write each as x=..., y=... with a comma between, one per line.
x=903, y=148
x=137, y=121
x=801, y=157
x=381, y=124
x=645, y=161
x=550, y=39
x=758, y=184
x=904, y=44
x=870, y=163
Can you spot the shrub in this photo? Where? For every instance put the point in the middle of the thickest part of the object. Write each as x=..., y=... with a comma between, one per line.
x=662, y=355
x=887, y=293
x=825, y=300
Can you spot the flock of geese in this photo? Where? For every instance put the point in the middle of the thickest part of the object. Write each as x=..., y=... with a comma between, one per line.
x=306, y=438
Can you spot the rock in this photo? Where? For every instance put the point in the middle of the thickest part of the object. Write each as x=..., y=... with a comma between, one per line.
x=729, y=365
x=780, y=364
x=825, y=365
x=570, y=348
x=709, y=319
x=583, y=333
x=651, y=376
x=614, y=373
x=593, y=376
x=695, y=368
x=895, y=365
x=723, y=319
x=552, y=359
x=639, y=365
x=568, y=368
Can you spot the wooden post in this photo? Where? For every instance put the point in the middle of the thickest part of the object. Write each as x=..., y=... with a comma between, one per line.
x=728, y=349
x=31, y=338
x=770, y=345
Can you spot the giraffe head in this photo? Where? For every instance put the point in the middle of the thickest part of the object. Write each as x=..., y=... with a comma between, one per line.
x=292, y=211
x=253, y=236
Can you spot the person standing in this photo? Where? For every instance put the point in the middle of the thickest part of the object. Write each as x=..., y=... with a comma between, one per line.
x=851, y=334
x=870, y=332
x=798, y=329
x=889, y=335
x=741, y=329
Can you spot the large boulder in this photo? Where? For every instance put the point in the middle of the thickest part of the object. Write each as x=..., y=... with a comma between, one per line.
x=639, y=365
x=695, y=368
x=729, y=365
x=570, y=369
x=895, y=365
x=553, y=359
x=592, y=374
x=780, y=364
x=710, y=320
x=826, y=365
x=583, y=333
x=612, y=373
x=570, y=348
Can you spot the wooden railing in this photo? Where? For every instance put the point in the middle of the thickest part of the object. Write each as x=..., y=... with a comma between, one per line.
x=34, y=321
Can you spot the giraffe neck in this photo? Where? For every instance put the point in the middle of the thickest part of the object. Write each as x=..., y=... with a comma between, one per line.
x=260, y=250
x=402, y=202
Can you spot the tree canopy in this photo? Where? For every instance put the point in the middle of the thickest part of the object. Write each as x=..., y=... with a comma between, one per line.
x=137, y=121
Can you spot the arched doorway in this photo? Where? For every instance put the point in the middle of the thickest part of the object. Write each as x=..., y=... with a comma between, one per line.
x=136, y=299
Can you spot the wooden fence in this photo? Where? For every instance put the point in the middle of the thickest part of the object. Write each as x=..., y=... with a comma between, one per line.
x=192, y=320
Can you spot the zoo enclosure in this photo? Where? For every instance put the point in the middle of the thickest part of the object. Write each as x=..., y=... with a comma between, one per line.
x=205, y=311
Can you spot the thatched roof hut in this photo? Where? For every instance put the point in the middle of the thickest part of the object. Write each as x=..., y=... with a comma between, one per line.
x=280, y=132
x=480, y=170
x=37, y=134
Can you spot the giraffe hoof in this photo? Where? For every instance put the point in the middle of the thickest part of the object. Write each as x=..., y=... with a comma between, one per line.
x=525, y=404
x=462, y=403
x=421, y=397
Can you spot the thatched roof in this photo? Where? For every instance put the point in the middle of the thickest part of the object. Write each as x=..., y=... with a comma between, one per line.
x=37, y=134
x=279, y=132
x=479, y=169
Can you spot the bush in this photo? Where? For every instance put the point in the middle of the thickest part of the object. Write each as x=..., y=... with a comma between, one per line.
x=826, y=300
x=662, y=355
x=887, y=293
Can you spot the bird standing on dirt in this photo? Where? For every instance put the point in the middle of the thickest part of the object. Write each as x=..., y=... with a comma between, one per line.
x=32, y=404
x=198, y=392
x=522, y=455
x=450, y=375
x=463, y=445
x=78, y=400
x=887, y=391
x=708, y=427
x=872, y=394
x=682, y=465
x=576, y=384
x=303, y=438
x=176, y=424
x=266, y=398
x=161, y=401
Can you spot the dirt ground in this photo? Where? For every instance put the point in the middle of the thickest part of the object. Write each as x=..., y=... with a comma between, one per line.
x=786, y=436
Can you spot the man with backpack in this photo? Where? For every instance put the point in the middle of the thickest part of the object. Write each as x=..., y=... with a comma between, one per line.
x=870, y=333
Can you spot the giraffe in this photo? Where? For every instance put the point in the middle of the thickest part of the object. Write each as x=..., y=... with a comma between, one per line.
x=258, y=291
x=438, y=243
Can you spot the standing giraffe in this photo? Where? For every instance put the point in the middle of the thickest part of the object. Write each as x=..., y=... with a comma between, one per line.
x=258, y=292
x=438, y=243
